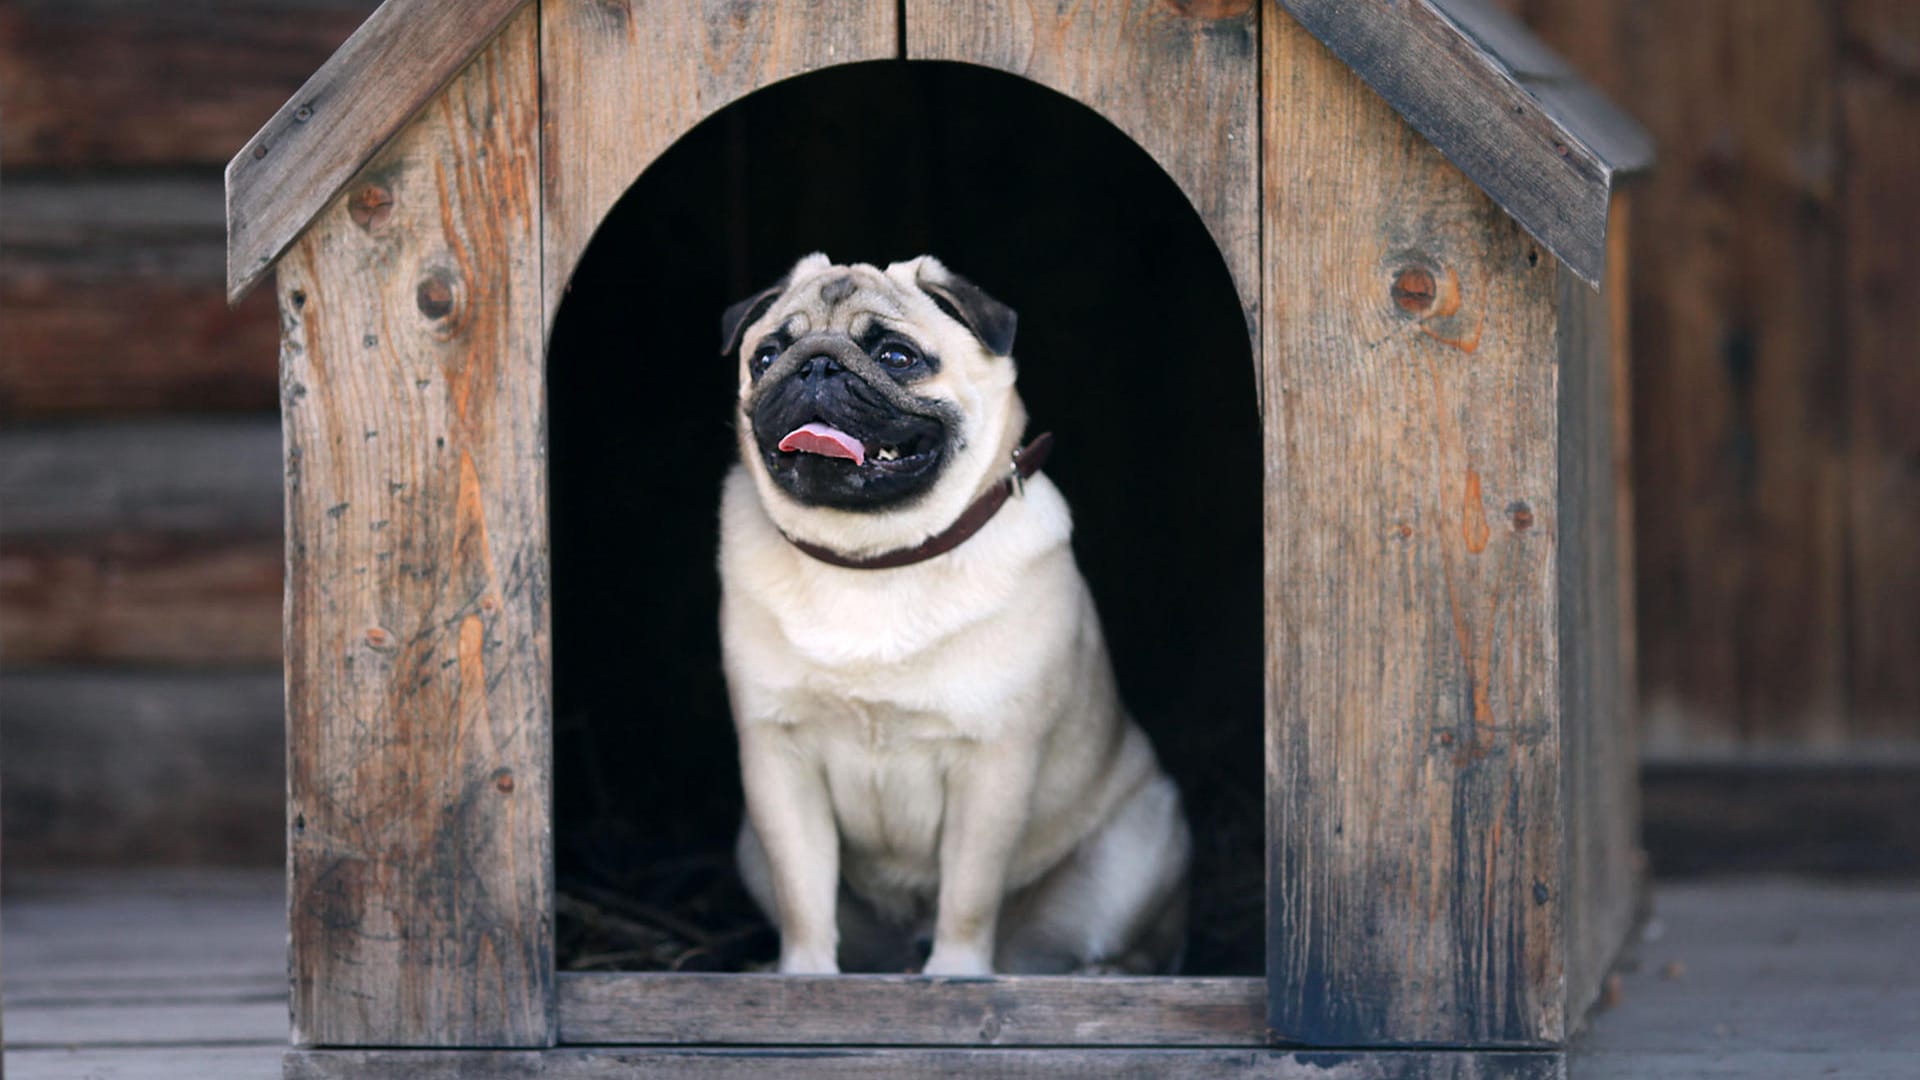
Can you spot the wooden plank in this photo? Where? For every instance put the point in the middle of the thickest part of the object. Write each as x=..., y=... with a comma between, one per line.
x=1180, y=79
x=1739, y=405
x=192, y=776
x=621, y=83
x=1766, y=978
x=69, y=931
x=1855, y=820
x=1497, y=105
x=909, y=1010
x=111, y=83
x=1881, y=110
x=261, y=1020
x=115, y=303
x=148, y=1063
x=577, y=1063
x=1413, y=525
x=1598, y=765
x=199, y=476
x=340, y=118
x=420, y=738
x=140, y=598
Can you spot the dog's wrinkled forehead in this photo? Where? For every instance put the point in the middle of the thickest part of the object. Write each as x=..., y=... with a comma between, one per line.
x=846, y=299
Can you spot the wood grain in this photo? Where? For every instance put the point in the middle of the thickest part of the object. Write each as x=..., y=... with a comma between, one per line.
x=201, y=477
x=578, y=1063
x=114, y=301
x=141, y=768
x=94, y=83
x=340, y=118
x=1498, y=105
x=140, y=598
x=622, y=81
x=1741, y=460
x=883, y=1009
x=1413, y=535
x=418, y=666
x=1880, y=106
x=1181, y=80
x=1598, y=765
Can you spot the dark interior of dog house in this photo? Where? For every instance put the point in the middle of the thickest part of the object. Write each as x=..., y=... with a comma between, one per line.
x=1132, y=349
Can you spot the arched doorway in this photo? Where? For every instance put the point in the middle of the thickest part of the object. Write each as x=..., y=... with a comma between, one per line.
x=1133, y=350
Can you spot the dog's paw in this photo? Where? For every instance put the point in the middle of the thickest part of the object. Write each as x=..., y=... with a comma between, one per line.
x=808, y=962
x=957, y=960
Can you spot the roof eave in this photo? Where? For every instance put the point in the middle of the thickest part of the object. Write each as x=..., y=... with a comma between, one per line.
x=342, y=117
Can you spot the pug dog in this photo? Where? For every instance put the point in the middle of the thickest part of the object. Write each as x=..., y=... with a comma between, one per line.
x=933, y=750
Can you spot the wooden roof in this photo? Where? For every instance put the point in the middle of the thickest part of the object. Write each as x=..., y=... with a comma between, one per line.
x=1509, y=112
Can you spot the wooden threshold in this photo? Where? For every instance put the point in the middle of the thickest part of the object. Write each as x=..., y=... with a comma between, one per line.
x=841, y=1063
x=910, y=1010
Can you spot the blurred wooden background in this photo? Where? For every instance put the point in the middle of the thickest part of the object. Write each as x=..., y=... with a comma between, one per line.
x=1776, y=409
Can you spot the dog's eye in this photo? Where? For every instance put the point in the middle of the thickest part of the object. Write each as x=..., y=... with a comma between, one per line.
x=763, y=358
x=897, y=356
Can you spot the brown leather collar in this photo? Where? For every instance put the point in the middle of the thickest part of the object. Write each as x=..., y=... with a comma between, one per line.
x=1026, y=461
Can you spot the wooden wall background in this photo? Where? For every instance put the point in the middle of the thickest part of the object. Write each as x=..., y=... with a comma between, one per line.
x=1776, y=402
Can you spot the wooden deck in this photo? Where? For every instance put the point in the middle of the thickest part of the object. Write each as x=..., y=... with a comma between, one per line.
x=180, y=976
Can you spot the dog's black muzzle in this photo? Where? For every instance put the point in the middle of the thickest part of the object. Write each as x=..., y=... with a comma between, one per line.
x=826, y=378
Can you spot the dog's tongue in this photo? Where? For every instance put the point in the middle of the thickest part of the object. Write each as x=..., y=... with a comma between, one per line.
x=818, y=438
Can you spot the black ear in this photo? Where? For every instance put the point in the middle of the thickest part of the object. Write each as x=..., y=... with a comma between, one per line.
x=990, y=320
x=735, y=320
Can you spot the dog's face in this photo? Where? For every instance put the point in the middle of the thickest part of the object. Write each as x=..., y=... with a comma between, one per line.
x=862, y=390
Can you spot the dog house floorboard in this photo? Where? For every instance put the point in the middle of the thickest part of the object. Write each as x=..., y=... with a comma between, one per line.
x=1735, y=978
x=1007, y=1011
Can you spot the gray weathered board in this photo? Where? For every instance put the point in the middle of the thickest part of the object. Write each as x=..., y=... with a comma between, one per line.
x=419, y=728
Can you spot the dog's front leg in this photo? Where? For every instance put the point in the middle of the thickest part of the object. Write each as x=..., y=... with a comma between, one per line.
x=987, y=797
x=792, y=812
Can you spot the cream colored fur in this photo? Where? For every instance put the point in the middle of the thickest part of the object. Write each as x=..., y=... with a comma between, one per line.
x=939, y=742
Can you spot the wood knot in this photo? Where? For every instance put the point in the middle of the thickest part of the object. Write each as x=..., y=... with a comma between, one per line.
x=435, y=295
x=503, y=781
x=1414, y=290
x=378, y=637
x=370, y=207
x=1521, y=515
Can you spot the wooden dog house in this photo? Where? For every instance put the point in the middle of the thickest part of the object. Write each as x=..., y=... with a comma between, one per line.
x=1417, y=206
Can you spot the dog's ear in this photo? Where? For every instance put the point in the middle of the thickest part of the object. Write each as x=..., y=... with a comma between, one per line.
x=735, y=320
x=990, y=320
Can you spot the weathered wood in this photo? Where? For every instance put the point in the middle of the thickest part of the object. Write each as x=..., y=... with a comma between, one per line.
x=112, y=83
x=1511, y=115
x=148, y=1063
x=1413, y=529
x=1766, y=978
x=114, y=302
x=1881, y=112
x=1741, y=436
x=908, y=1010
x=141, y=768
x=1598, y=763
x=569, y=1063
x=621, y=82
x=418, y=667
x=392, y=66
x=1851, y=819
x=1180, y=79
x=199, y=477
x=260, y=1020
x=140, y=598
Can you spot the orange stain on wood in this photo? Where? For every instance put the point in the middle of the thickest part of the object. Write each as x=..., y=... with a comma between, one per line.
x=1467, y=343
x=1473, y=516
